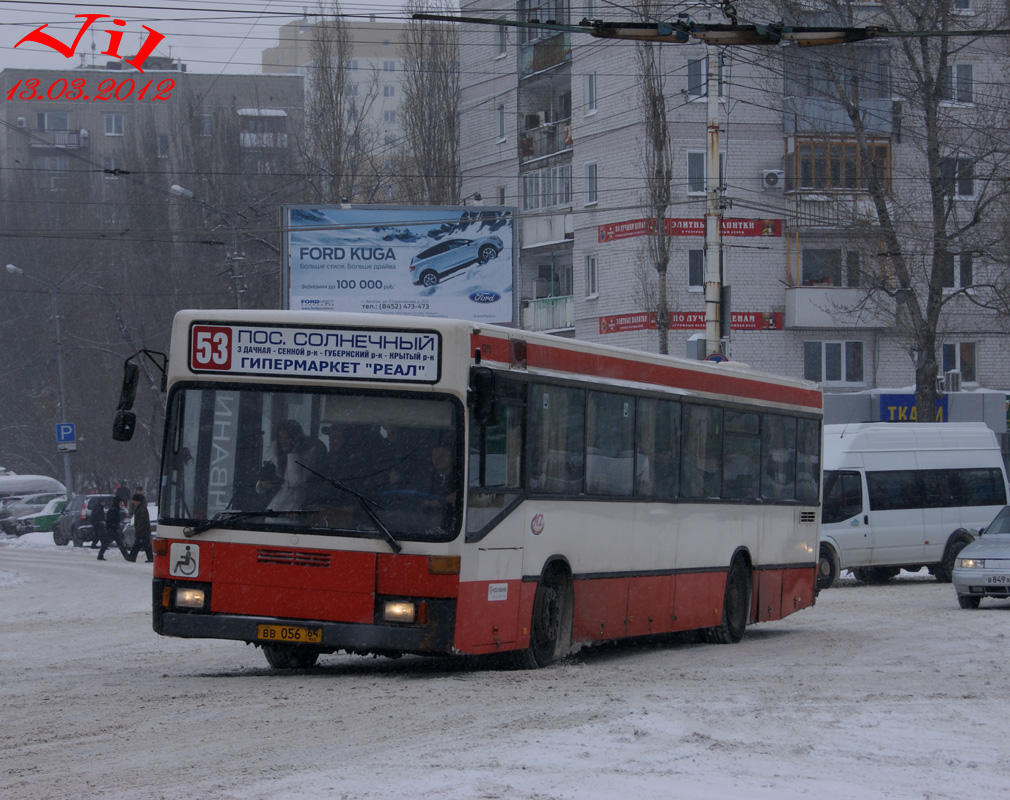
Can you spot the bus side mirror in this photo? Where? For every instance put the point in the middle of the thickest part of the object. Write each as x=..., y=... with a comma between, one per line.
x=483, y=395
x=124, y=425
x=131, y=376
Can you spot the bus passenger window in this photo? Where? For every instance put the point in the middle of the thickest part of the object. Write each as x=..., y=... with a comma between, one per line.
x=657, y=460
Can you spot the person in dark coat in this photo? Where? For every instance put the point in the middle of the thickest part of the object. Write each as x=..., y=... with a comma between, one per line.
x=98, y=523
x=141, y=527
x=113, y=528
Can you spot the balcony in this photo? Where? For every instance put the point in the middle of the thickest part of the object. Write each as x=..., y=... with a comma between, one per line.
x=546, y=53
x=548, y=314
x=837, y=307
x=64, y=139
x=546, y=140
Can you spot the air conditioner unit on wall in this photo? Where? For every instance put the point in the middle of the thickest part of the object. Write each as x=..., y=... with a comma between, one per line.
x=22, y=122
x=952, y=380
x=773, y=179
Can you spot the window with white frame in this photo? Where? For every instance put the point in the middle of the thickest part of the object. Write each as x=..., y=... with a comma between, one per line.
x=503, y=40
x=389, y=66
x=957, y=271
x=591, y=187
x=590, y=93
x=696, y=171
x=833, y=362
x=113, y=124
x=696, y=270
x=697, y=77
x=592, y=276
x=957, y=177
x=545, y=188
x=352, y=65
x=962, y=6
x=389, y=116
x=958, y=84
x=501, y=122
x=389, y=91
x=351, y=89
x=960, y=356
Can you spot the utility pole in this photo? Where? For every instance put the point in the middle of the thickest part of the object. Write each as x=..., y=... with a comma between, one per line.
x=713, y=213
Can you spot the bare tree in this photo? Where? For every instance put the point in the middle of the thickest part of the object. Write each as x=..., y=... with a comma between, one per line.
x=340, y=137
x=431, y=104
x=929, y=164
x=657, y=172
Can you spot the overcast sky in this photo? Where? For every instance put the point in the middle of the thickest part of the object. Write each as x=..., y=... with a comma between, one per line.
x=212, y=37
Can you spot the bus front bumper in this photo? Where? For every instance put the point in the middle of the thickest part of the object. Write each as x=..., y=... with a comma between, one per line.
x=434, y=636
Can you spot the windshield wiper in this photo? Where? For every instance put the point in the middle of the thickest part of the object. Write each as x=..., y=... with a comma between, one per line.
x=365, y=503
x=232, y=516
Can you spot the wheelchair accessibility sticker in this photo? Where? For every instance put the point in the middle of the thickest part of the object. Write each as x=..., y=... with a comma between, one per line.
x=184, y=560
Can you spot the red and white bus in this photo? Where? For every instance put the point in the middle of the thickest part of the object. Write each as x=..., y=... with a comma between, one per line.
x=374, y=484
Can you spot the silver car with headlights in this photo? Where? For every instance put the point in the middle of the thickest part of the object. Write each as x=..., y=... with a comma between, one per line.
x=982, y=568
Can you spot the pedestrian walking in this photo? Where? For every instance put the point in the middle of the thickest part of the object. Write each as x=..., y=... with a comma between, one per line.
x=141, y=527
x=98, y=523
x=113, y=528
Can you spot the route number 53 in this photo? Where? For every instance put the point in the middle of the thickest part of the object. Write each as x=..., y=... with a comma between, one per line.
x=210, y=348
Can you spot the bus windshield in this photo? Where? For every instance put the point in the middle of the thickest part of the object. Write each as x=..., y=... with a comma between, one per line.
x=329, y=462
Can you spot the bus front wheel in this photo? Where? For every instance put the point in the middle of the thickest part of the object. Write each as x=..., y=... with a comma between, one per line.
x=281, y=656
x=827, y=568
x=551, y=625
x=735, y=607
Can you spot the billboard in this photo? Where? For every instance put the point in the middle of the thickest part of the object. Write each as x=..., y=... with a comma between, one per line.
x=432, y=261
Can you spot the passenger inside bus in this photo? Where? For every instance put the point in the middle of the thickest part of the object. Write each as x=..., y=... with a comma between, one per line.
x=289, y=485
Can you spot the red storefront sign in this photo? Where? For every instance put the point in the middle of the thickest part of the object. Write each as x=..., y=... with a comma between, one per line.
x=688, y=227
x=692, y=321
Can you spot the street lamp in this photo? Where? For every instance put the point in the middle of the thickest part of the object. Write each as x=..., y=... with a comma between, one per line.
x=54, y=291
x=233, y=254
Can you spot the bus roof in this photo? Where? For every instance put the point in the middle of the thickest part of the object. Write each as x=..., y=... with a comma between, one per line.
x=536, y=353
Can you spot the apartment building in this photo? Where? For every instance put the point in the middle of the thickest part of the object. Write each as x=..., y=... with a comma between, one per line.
x=552, y=123
x=111, y=120
x=375, y=65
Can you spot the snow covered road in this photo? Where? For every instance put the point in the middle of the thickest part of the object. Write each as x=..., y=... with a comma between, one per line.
x=876, y=692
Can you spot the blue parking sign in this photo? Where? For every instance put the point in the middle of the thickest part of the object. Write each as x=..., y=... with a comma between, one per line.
x=65, y=433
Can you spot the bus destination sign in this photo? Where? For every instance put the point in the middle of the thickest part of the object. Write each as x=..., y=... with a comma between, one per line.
x=303, y=352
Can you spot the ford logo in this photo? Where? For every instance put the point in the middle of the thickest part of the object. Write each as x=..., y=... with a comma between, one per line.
x=485, y=297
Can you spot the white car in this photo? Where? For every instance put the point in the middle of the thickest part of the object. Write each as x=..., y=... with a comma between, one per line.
x=982, y=569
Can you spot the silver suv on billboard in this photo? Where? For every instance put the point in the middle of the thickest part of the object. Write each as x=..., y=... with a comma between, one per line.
x=430, y=266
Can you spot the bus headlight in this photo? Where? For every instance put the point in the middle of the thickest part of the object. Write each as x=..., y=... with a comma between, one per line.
x=399, y=611
x=189, y=598
x=971, y=563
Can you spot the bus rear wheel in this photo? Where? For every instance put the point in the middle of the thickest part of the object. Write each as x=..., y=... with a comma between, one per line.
x=281, y=656
x=551, y=625
x=735, y=607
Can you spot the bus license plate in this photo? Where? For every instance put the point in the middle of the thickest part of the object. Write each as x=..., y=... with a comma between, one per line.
x=293, y=634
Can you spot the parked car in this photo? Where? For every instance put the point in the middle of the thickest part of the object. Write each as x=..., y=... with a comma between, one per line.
x=30, y=503
x=429, y=266
x=982, y=568
x=74, y=524
x=44, y=520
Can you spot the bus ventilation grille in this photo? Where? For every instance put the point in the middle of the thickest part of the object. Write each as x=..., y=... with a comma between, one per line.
x=293, y=558
x=808, y=517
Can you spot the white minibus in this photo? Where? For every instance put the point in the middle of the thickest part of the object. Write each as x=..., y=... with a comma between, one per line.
x=905, y=496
